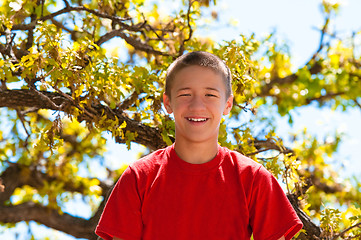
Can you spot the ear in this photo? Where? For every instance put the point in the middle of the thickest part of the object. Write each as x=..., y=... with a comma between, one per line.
x=229, y=105
x=166, y=102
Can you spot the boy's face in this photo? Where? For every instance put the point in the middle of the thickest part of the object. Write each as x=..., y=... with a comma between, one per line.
x=198, y=101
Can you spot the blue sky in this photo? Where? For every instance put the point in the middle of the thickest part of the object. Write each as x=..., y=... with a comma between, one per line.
x=295, y=22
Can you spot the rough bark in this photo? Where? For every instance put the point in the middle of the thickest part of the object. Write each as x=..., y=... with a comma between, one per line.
x=146, y=135
x=29, y=211
x=312, y=230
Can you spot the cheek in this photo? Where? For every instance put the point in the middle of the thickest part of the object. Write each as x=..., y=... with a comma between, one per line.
x=179, y=105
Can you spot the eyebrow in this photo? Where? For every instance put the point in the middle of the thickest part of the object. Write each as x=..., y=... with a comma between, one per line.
x=212, y=89
x=208, y=88
x=182, y=89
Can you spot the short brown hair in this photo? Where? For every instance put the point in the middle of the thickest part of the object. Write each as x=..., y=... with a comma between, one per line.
x=203, y=59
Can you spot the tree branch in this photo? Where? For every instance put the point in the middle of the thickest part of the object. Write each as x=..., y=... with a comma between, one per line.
x=326, y=188
x=73, y=33
x=30, y=175
x=19, y=53
x=313, y=231
x=137, y=44
x=346, y=230
x=269, y=144
x=52, y=218
x=29, y=211
x=325, y=97
x=8, y=182
x=68, y=9
x=322, y=37
x=30, y=40
x=181, y=49
x=146, y=135
x=127, y=102
x=314, y=69
x=357, y=103
x=29, y=98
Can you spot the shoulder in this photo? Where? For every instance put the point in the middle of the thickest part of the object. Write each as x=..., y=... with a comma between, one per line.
x=240, y=161
x=249, y=171
x=151, y=162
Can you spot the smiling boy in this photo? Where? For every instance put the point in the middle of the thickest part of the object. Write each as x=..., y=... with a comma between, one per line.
x=196, y=189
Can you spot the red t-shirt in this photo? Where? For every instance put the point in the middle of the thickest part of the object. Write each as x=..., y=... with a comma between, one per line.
x=162, y=197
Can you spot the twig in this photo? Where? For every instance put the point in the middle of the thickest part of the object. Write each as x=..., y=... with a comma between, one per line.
x=43, y=96
x=245, y=108
x=73, y=102
x=137, y=44
x=22, y=119
x=346, y=230
x=127, y=102
x=181, y=49
x=9, y=40
x=30, y=39
x=321, y=44
x=155, y=32
x=265, y=159
x=30, y=110
x=357, y=103
x=259, y=151
x=68, y=9
x=74, y=34
x=66, y=3
x=269, y=144
x=325, y=97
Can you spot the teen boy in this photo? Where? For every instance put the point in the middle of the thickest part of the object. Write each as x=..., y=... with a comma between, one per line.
x=196, y=189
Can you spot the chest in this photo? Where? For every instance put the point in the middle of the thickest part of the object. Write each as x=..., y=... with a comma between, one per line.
x=203, y=205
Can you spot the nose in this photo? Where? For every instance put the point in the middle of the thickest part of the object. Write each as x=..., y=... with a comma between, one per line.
x=197, y=103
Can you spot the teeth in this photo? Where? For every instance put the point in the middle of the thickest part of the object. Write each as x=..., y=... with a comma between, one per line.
x=197, y=119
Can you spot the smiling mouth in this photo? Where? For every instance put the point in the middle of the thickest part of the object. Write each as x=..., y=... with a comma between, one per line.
x=197, y=119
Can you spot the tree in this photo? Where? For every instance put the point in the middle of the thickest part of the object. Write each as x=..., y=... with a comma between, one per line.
x=63, y=87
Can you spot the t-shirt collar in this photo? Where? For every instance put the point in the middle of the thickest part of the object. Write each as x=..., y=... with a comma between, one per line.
x=196, y=168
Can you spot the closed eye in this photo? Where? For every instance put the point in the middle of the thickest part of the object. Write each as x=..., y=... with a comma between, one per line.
x=211, y=95
x=184, y=95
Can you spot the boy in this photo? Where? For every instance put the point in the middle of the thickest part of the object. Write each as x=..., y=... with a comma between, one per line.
x=196, y=189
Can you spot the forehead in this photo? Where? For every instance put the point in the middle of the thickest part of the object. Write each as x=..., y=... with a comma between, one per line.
x=197, y=76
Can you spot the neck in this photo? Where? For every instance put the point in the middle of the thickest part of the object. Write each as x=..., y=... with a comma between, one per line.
x=196, y=153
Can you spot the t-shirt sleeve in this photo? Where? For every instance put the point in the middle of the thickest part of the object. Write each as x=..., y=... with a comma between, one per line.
x=121, y=215
x=271, y=214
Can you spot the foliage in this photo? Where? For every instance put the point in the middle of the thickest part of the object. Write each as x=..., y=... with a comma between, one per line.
x=73, y=70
